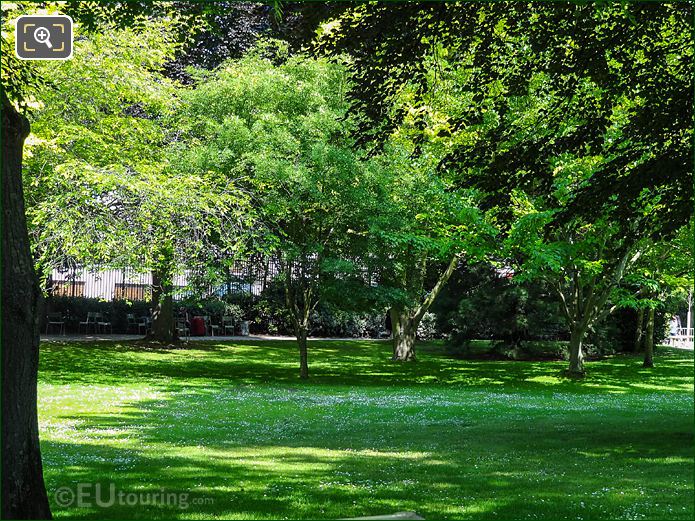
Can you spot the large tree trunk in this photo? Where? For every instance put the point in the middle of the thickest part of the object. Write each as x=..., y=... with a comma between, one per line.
x=576, y=351
x=302, y=333
x=649, y=340
x=162, y=308
x=23, y=489
x=162, y=298
x=639, y=334
x=404, y=323
x=404, y=330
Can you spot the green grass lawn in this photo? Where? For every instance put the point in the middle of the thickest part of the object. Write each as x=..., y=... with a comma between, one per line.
x=234, y=428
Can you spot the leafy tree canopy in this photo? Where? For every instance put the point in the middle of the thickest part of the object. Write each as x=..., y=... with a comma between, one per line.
x=100, y=185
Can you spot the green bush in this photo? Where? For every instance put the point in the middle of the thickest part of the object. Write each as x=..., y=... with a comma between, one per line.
x=327, y=321
x=427, y=329
x=269, y=315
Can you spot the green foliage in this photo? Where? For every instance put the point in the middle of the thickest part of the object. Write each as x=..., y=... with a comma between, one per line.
x=212, y=307
x=543, y=111
x=20, y=79
x=427, y=328
x=489, y=116
x=424, y=219
x=280, y=127
x=666, y=269
x=481, y=303
x=96, y=136
x=100, y=184
x=330, y=321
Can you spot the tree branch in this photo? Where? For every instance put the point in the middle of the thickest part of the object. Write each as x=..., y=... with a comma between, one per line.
x=443, y=278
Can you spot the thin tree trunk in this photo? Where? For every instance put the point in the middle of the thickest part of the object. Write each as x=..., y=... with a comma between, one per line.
x=576, y=350
x=302, y=333
x=639, y=333
x=649, y=340
x=394, y=314
x=299, y=311
x=162, y=298
x=228, y=279
x=23, y=489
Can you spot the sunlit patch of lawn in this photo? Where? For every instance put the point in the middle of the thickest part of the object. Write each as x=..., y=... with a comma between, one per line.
x=232, y=427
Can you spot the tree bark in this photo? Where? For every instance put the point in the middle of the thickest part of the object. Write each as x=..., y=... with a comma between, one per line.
x=576, y=351
x=23, y=489
x=162, y=298
x=299, y=301
x=162, y=308
x=302, y=333
x=404, y=323
x=404, y=330
x=639, y=334
x=649, y=340
x=585, y=305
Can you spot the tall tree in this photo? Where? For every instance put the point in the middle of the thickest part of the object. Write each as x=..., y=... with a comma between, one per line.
x=23, y=489
x=426, y=225
x=582, y=134
x=624, y=49
x=283, y=132
x=664, y=272
x=105, y=181
x=557, y=93
x=422, y=231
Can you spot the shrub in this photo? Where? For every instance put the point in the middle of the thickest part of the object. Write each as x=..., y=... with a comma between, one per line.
x=427, y=328
x=520, y=320
x=328, y=321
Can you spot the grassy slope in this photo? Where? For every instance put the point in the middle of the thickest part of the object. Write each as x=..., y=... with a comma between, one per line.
x=233, y=426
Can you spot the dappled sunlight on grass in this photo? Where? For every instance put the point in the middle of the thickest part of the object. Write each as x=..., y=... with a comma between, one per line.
x=342, y=363
x=364, y=436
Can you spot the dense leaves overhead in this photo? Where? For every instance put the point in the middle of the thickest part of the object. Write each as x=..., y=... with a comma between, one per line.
x=284, y=132
x=620, y=86
x=396, y=137
x=634, y=56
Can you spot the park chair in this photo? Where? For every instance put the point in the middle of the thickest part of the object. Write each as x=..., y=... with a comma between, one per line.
x=143, y=323
x=92, y=320
x=132, y=323
x=56, y=319
x=105, y=322
x=182, y=329
x=209, y=326
x=227, y=325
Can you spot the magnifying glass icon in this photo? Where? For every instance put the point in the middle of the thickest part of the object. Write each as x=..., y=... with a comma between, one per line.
x=43, y=35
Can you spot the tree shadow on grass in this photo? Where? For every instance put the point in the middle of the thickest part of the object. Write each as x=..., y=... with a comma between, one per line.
x=365, y=436
x=260, y=453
